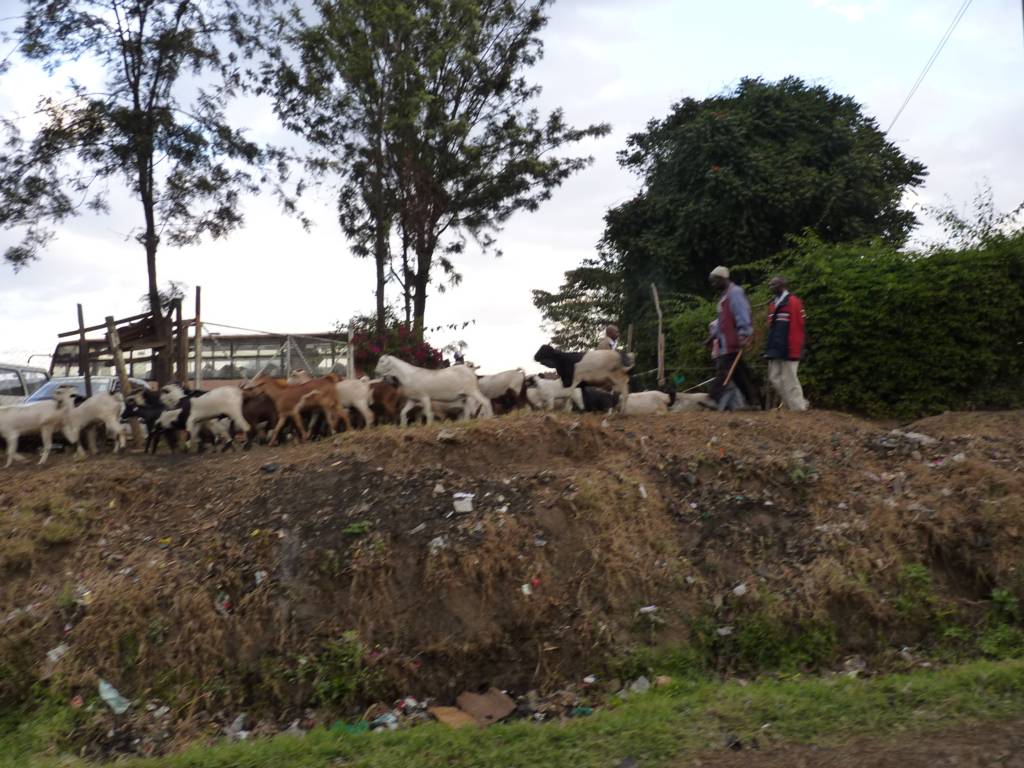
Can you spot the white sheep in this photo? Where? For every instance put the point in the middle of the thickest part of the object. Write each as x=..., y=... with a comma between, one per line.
x=16, y=420
x=421, y=384
x=102, y=408
x=223, y=401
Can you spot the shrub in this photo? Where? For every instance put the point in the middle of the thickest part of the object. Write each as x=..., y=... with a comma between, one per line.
x=893, y=333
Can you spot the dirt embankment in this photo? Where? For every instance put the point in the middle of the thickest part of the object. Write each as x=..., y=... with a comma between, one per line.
x=335, y=574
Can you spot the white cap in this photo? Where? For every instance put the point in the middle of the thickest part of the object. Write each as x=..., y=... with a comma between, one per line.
x=722, y=272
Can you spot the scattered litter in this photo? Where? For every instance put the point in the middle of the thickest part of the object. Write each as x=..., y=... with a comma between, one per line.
x=260, y=577
x=691, y=579
x=539, y=542
x=447, y=436
x=526, y=589
x=590, y=679
x=462, y=502
x=342, y=727
x=56, y=654
x=437, y=544
x=724, y=631
x=662, y=680
x=740, y=590
x=647, y=610
x=222, y=603
x=628, y=762
x=84, y=597
x=162, y=712
x=238, y=730
x=581, y=711
x=643, y=492
x=118, y=703
x=77, y=701
x=439, y=489
x=640, y=685
x=486, y=708
x=453, y=717
x=295, y=729
x=960, y=458
x=388, y=720
x=270, y=468
x=418, y=529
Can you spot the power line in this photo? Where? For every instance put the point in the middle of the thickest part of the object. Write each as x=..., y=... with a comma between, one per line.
x=935, y=55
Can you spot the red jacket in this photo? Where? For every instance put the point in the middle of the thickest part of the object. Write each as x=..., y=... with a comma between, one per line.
x=785, y=329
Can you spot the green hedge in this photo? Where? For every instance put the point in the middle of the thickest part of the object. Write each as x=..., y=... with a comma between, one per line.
x=895, y=334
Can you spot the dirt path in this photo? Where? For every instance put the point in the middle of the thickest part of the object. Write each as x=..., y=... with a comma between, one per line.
x=988, y=744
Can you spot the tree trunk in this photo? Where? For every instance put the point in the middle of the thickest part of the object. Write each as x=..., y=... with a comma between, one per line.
x=161, y=370
x=380, y=256
x=419, y=298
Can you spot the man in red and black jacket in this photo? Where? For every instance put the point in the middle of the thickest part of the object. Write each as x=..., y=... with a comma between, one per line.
x=785, y=344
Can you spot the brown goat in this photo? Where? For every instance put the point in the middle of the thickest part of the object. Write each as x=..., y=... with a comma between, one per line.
x=291, y=399
x=384, y=401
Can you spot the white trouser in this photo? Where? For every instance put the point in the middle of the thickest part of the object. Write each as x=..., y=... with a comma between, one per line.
x=782, y=375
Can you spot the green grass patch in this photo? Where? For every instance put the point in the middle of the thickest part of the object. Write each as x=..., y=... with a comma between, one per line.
x=657, y=728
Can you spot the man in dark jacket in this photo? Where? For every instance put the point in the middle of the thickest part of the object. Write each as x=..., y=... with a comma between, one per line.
x=785, y=344
x=732, y=332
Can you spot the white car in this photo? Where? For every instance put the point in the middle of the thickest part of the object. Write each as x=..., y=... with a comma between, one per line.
x=17, y=382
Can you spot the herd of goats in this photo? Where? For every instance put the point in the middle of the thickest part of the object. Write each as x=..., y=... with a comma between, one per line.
x=598, y=380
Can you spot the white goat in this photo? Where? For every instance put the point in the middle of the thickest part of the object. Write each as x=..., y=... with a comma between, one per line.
x=547, y=394
x=420, y=385
x=102, y=408
x=646, y=403
x=16, y=420
x=355, y=393
x=499, y=384
x=223, y=401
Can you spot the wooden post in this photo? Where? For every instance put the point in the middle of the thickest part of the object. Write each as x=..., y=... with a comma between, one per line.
x=182, y=346
x=114, y=340
x=199, y=339
x=83, y=354
x=661, y=338
x=629, y=338
x=350, y=354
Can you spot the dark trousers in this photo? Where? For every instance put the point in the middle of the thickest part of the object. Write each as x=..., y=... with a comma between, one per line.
x=741, y=377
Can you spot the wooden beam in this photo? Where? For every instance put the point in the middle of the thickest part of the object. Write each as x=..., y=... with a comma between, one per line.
x=133, y=318
x=182, y=344
x=661, y=338
x=198, y=381
x=122, y=374
x=83, y=354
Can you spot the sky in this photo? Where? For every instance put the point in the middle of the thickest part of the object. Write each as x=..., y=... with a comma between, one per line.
x=619, y=61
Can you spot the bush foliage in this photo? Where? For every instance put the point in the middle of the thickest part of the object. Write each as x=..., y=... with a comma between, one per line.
x=895, y=333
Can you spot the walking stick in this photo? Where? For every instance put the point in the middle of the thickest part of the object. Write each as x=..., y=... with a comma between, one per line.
x=728, y=378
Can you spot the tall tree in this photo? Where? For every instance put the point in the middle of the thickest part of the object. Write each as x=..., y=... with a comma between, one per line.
x=432, y=112
x=728, y=179
x=186, y=166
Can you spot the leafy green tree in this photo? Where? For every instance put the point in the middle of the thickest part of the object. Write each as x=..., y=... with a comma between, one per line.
x=427, y=110
x=726, y=180
x=185, y=165
x=731, y=178
x=589, y=298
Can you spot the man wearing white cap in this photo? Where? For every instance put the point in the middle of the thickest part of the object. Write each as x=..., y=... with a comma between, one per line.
x=735, y=326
